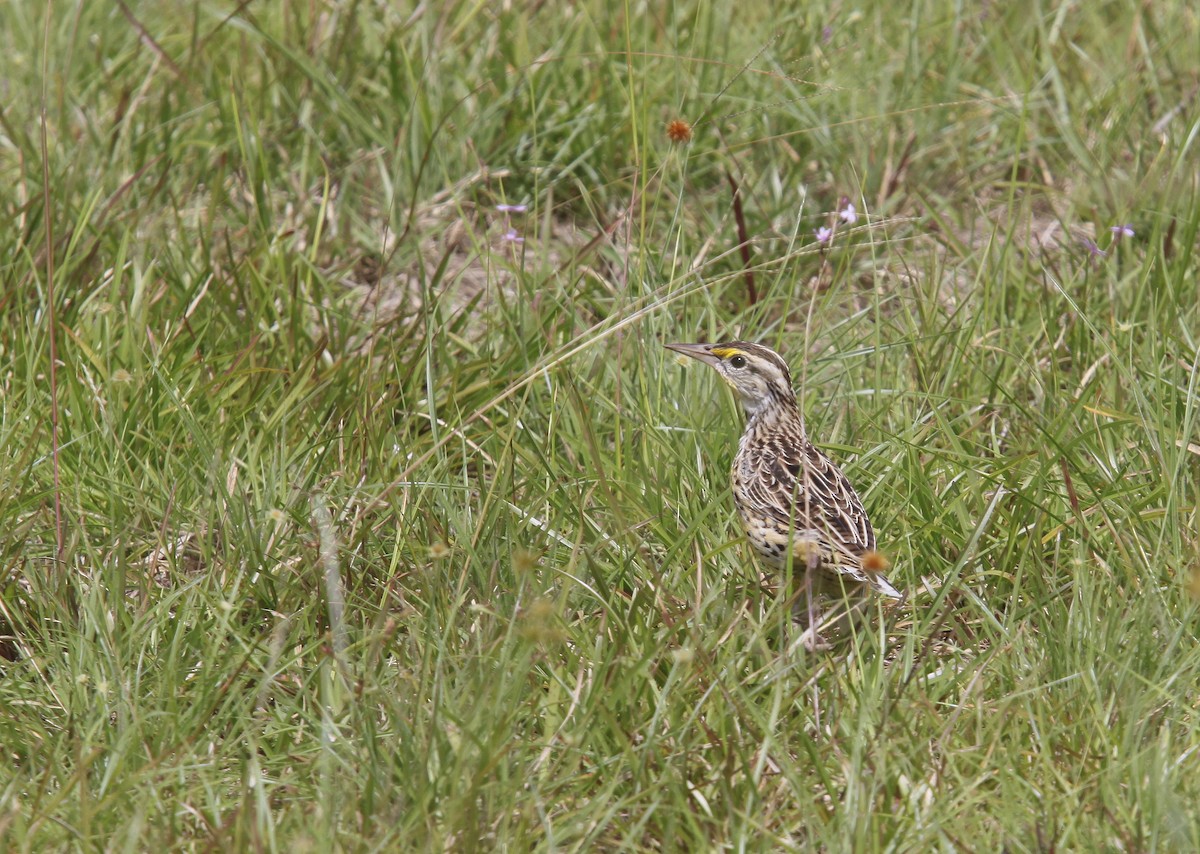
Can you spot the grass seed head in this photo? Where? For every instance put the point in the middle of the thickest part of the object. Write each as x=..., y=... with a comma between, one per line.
x=679, y=131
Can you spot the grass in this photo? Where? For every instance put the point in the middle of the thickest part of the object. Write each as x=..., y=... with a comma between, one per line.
x=380, y=531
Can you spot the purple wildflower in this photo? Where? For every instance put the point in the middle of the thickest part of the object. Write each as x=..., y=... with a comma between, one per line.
x=1120, y=231
x=1090, y=246
x=511, y=208
x=823, y=234
x=511, y=236
x=848, y=214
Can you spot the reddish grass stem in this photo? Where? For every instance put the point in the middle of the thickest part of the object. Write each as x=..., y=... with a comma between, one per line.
x=743, y=240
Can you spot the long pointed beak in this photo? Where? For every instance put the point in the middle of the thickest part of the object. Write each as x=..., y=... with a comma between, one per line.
x=696, y=351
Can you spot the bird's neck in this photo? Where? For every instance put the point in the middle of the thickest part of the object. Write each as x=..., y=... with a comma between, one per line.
x=780, y=409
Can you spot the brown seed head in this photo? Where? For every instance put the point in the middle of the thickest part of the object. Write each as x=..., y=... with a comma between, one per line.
x=875, y=562
x=679, y=131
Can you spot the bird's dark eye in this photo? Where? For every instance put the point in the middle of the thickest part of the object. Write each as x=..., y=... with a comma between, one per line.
x=737, y=362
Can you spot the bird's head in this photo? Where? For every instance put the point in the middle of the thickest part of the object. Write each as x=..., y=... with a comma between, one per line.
x=758, y=374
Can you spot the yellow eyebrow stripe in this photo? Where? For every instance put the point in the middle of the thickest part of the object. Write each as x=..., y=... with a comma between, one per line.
x=726, y=352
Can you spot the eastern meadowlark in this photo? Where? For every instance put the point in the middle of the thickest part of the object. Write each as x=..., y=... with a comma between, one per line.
x=795, y=504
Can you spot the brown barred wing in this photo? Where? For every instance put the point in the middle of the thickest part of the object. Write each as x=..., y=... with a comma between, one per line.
x=800, y=489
